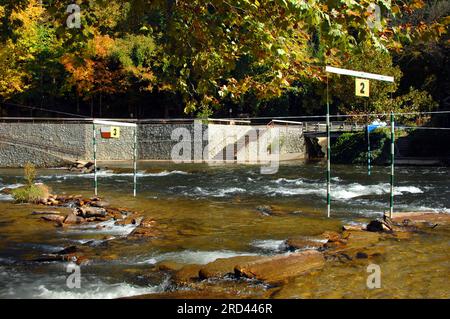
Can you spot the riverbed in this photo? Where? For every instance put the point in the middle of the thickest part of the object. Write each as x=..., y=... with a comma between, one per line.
x=209, y=212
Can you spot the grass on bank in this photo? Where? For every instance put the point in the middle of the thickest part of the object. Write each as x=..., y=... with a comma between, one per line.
x=31, y=192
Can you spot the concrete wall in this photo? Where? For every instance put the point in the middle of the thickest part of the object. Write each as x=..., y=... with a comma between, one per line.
x=292, y=143
x=232, y=142
x=111, y=149
x=156, y=143
x=52, y=144
x=56, y=143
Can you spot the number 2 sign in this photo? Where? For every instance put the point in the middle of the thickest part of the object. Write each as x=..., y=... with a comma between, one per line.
x=362, y=87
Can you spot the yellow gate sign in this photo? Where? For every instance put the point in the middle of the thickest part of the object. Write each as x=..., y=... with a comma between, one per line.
x=115, y=132
x=362, y=87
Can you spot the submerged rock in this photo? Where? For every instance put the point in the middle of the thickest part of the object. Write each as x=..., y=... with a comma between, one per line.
x=68, y=254
x=46, y=213
x=280, y=268
x=54, y=218
x=267, y=210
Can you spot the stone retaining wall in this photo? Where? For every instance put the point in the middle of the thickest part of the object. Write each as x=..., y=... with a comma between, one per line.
x=57, y=143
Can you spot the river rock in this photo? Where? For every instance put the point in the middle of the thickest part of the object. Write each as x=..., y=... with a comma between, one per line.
x=115, y=213
x=68, y=250
x=332, y=236
x=68, y=254
x=72, y=218
x=375, y=226
x=146, y=229
x=280, y=268
x=187, y=274
x=223, y=266
x=100, y=203
x=353, y=228
x=128, y=221
x=54, y=218
x=297, y=243
x=6, y=191
x=195, y=294
x=267, y=210
x=421, y=219
x=82, y=166
x=355, y=242
x=170, y=266
x=46, y=213
x=88, y=212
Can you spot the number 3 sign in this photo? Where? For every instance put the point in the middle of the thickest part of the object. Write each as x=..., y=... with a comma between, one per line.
x=362, y=87
x=115, y=132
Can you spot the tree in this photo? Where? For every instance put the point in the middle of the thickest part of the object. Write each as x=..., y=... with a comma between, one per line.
x=20, y=49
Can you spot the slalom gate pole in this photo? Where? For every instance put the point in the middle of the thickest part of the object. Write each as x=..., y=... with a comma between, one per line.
x=328, y=156
x=369, y=155
x=94, y=142
x=135, y=163
x=391, y=211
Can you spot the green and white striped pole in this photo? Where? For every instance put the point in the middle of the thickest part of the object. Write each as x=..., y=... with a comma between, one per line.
x=328, y=157
x=135, y=162
x=94, y=142
x=391, y=212
x=369, y=156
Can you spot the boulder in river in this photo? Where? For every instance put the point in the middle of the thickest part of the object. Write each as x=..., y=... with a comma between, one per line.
x=280, y=268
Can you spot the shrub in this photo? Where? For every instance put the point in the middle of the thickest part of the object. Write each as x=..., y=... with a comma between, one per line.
x=351, y=148
x=30, y=194
x=30, y=174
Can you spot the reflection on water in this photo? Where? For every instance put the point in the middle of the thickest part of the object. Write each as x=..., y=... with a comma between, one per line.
x=209, y=212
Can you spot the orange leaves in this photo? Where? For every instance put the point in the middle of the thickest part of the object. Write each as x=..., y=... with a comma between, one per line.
x=81, y=71
x=17, y=54
x=101, y=46
x=417, y=4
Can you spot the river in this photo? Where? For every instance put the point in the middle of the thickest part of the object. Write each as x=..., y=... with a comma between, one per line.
x=209, y=212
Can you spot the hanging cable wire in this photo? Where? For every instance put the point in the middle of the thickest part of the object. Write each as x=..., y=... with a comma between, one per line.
x=42, y=109
x=246, y=118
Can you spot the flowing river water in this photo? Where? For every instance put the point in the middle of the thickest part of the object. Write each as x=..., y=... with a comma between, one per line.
x=209, y=212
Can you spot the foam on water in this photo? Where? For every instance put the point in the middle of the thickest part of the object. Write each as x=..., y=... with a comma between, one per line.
x=107, y=227
x=8, y=197
x=341, y=192
x=11, y=186
x=110, y=173
x=270, y=245
x=194, y=257
x=221, y=192
x=98, y=291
